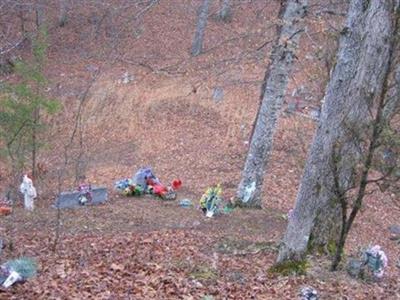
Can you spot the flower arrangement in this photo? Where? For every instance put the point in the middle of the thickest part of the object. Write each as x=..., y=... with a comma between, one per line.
x=211, y=200
x=376, y=260
x=145, y=182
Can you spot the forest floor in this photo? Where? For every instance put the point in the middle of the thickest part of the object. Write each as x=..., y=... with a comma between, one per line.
x=146, y=248
x=168, y=118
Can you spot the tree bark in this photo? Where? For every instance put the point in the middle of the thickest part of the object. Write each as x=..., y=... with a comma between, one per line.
x=393, y=101
x=40, y=14
x=36, y=118
x=200, y=28
x=273, y=92
x=357, y=79
x=63, y=17
x=225, y=13
x=21, y=15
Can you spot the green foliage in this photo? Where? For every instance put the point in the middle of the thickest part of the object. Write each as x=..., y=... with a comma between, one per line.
x=20, y=104
x=244, y=247
x=39, y=46
x=387, y=159
x=32, y=71
x=331, y=247
x=25, y=266
x=390, y=137
x=204, y=273
x=290, y=268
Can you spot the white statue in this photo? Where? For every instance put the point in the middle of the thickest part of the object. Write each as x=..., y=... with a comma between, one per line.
x=29, y=192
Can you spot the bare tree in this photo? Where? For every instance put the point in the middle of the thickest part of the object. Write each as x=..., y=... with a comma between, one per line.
x=76, y=130
x=273, y=91
x=225, y=13
x=200, y=28
x=63, y=17
x=380, y=149
x=355, y=84
x=40, y=13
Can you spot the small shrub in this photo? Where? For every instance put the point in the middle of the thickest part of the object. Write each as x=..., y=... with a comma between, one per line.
x=290, y=268
x=204, y=273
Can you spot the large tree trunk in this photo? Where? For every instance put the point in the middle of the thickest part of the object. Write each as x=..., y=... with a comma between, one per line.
x=273, y=92
x=357, y=79
x=200, y=28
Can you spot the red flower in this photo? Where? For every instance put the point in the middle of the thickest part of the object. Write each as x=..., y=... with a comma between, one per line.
x=176, y=184
x=159, y=189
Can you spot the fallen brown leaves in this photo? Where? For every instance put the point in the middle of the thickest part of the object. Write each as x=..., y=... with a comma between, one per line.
x=226, y=257
x=147, y=249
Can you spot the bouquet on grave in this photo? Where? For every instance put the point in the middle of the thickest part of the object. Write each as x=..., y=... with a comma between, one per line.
x=162, y=191
x=85, y=193
x=375, y=260
x=211, y=200
x=145, y=182
x=128, y=188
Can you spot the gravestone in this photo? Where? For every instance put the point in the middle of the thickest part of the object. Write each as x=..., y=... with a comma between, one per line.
x=394, y=229
x=72, y=199
x=218, y=94
x=394, y=232
x=355, y=267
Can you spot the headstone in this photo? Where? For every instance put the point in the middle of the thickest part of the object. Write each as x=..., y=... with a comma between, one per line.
x=394, y=232
x=394, y=229
x=143, y=175
x=72, y=199
x=371, y=264
x=355, y=267
x=218, y=94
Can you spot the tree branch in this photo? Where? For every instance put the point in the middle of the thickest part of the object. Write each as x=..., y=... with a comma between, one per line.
x=4, y=51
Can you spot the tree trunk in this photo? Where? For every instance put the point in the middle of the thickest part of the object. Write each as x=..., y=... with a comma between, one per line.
x=36, y=118
x=62, y=18
x=200, y=28
x=273, y=92
x=225, y=14
x=21, y=15
x=357, y=80
x=40, y=14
